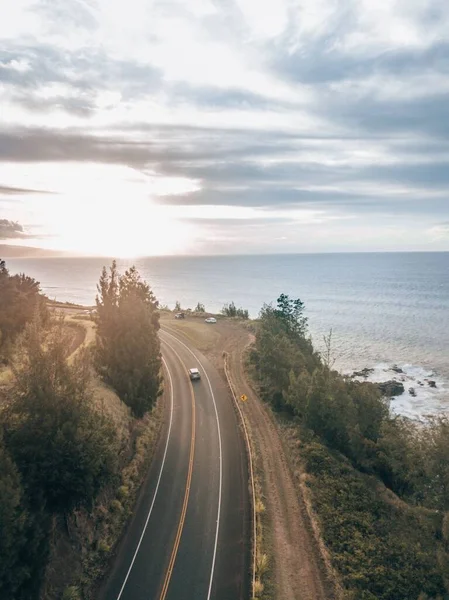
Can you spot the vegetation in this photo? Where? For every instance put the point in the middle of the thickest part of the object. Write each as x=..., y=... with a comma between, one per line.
x=57, y=453
x=200, y=308
x=61, y=455
x=65, y=450
x=20, y=299
x=230, y=310
x=127, y=348
x=380, y=484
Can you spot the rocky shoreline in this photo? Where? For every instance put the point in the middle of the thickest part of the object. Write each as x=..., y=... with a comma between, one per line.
x=395, y=385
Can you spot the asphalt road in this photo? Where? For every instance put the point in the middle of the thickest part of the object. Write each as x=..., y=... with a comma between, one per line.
x=189, y=536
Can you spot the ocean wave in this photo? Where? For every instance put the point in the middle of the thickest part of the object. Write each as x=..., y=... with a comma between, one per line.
x=424, y=401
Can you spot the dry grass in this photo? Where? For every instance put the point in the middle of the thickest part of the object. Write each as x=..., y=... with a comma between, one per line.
x=88, y=328
x=5, y=375
x=203, y=336
x=289, y=435
x=107, y=401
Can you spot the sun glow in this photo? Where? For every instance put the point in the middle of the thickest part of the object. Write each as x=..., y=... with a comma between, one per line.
x=102, y=210
x=112, y=227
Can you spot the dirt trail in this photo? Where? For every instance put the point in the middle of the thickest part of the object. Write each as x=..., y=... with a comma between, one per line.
x=298, y=570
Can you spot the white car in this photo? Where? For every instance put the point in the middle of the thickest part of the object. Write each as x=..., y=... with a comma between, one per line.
x=210, y=320
x=194, y=374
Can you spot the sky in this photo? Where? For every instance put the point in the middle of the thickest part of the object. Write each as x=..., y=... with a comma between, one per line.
x=152, y=127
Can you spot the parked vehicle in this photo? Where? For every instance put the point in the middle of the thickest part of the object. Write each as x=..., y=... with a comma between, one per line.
x=194, y=374
x=210, y=320
x=180, y=315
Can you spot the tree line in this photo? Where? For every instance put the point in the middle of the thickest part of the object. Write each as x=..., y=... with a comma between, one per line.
x=228, y=310
x=351, y=438
x=20, y=299
x=57, y=449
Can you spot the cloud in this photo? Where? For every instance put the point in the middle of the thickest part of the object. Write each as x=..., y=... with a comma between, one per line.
x=326, y=105
x=439, y=232
x=11, y=230
x=12, y=191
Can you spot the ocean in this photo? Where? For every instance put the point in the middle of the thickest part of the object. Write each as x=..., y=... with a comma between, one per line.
x=384, y=309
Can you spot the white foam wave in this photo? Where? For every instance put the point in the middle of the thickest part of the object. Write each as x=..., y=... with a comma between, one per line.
x=426, y=401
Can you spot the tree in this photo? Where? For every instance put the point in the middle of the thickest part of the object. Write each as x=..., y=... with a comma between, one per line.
x=20, y=299
x=230, y=310
x=127, y=354
x=65, y=450
x=178, y=306
x=200, y=308
x=291, y=313
x=13, y=521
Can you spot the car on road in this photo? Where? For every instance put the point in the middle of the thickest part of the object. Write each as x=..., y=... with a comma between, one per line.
x=180, y=315
x=194, y=374
x=210, y=320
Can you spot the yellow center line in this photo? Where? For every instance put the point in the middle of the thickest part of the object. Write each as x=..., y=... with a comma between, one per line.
x=187, y=492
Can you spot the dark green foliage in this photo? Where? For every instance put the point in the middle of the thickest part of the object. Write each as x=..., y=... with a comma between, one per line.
x=283, y=354
x=200, y=308
x=383, y=549
x=291, y=313
x=64, y=449
x=128, y=348
x=13, y=522
x=230, y=310
x=379, y=546
x=20, y=299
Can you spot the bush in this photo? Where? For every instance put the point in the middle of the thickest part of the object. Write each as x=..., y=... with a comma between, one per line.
x=230, y=310
x=65, y=450
x=71, y=593
x=116, y=506
x=20, y=299
x=380, y=549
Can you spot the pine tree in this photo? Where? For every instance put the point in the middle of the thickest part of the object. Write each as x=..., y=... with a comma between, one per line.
x=65, y=450
x=128, y=347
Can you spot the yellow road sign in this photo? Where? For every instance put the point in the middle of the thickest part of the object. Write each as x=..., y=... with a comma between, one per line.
x=243, y=398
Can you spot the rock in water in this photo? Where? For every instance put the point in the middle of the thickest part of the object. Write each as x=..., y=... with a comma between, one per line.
x=391, y=388
x=432, y=383
x=363, y=373
x=411, y=391
x=396, y=369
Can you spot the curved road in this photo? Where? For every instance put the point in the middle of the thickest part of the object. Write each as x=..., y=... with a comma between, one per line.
x=189, y=536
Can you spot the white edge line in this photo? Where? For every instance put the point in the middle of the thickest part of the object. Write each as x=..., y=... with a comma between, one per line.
x=221, y=460
x=158, y=481
x=234, y=395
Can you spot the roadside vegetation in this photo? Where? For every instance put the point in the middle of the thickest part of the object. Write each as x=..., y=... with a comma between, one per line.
x=73, y=450
x=127, y=352
x=378, y=483
x=231, y=310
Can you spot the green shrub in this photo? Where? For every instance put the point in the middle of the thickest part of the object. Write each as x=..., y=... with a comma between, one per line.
x=103, y=547
x=116, y=506
x=123, y=492
x=71, y=593
x=65, y=450
x=230, y=310
x=382, y=549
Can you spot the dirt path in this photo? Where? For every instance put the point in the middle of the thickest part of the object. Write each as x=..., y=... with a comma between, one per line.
x=298, y=572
